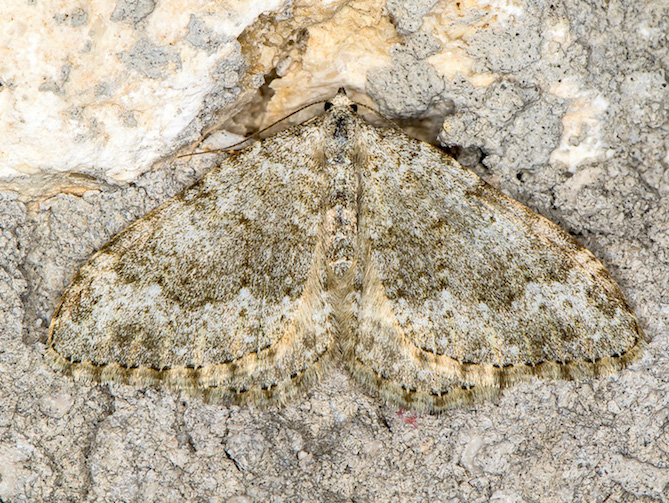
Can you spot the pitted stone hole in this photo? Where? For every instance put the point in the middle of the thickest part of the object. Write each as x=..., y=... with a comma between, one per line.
x=250, y=117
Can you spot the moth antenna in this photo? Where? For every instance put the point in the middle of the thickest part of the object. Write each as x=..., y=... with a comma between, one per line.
x=254, y=135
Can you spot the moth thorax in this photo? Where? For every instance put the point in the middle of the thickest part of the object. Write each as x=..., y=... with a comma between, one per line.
x=341, y=219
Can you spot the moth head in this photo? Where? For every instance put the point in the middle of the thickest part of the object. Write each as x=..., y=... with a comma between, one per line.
x=341, y=101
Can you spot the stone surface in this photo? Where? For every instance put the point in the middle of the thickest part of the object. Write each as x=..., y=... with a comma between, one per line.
x=106, y=89
x=561, y=106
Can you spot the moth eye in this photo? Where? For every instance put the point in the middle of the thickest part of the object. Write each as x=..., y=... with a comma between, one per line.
x=327, y=106
x=354, y=107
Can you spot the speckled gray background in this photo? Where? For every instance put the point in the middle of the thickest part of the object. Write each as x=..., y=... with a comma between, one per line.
x=594, y=441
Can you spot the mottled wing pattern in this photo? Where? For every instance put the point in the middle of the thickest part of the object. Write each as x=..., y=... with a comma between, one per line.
x=219, y=290
x=465, y=290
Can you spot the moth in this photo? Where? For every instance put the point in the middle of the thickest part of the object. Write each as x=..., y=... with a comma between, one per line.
x=337, y=242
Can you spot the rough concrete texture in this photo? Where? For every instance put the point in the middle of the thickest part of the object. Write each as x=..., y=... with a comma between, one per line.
x=561, y=105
